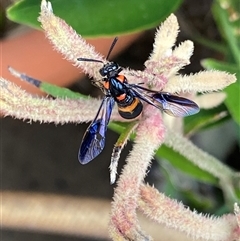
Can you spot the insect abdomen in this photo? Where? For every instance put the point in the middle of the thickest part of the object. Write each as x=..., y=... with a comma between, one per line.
x=130, y=110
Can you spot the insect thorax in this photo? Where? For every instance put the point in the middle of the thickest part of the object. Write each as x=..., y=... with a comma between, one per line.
x=110, y=69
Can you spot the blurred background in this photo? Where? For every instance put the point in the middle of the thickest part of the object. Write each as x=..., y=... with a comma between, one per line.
x=43, y=157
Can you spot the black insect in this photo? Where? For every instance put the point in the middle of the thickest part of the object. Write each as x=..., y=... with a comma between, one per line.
x=129, y=99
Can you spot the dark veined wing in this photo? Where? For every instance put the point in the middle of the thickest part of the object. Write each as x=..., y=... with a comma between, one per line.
x=94, y=138
x=175, y=105
x=171, y=104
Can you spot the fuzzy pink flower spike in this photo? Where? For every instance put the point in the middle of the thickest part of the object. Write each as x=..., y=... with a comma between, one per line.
x=161, y=73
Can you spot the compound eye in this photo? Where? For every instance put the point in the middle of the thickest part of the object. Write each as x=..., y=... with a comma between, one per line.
x=102, y=72
x=115, y=66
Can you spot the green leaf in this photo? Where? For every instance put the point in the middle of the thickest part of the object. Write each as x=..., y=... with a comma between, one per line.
x=233, y=91
x=47, y=88
x=98, y=17
x=205, y=119
x=220, y=65
x=121, y=127
x=227, y=29
x=198, y=200
x=233, y=101
x=183, y=164
x=176, y=159
x=60, y=92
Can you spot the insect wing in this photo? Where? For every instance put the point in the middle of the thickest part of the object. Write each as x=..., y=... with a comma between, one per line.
x=175, y=105
x=171, y=104
x=94, y=138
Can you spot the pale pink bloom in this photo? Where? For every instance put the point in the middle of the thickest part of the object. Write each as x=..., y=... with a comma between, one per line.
x=161, y=73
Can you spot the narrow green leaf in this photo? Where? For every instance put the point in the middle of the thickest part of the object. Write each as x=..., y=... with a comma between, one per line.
x=211, y=44
x=98, y=17
x=183, y=164
x=60, y=92
x=220, y=65
x=118, y=127
x=47, y=88
x=227, y=29
x=198, y=200
x=205, y=119
x=176, y=159
x=233, y=91
x=233, y=101
x=129, y=127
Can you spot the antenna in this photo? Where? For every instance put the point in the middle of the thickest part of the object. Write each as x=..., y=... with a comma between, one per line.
x=99, y=61
x=89, y=60
x=112, y=46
